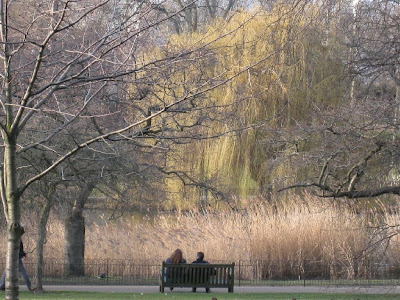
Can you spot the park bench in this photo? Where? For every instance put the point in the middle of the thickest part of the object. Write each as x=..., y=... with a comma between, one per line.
x=197, y=275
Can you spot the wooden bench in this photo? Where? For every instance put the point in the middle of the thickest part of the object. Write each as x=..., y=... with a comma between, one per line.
x=197, y=275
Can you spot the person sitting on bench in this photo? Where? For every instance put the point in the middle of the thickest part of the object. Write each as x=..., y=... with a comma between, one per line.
x=200, y=260
x=175, y=258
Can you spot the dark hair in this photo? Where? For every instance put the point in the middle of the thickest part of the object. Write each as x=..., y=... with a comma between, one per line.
x=200, y=255
x=177, y=257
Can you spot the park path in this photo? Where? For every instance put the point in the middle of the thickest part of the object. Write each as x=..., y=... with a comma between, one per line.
x=238, y=289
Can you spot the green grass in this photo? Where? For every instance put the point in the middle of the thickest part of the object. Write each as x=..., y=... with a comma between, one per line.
x=200, y=296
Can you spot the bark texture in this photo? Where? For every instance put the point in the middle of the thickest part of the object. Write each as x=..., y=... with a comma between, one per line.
x=74, y=245
x=74, y=252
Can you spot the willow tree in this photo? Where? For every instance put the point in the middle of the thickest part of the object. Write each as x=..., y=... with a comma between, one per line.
x=293, y=69
x=75, y=76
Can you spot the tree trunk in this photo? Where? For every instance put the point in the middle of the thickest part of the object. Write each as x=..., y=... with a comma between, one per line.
x=14, y=236
x=13, y=215
x=41, y=237
x=74, y=245
x=74, y=252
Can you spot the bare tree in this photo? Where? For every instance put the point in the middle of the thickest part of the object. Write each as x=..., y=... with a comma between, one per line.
x=197, y=14
x=61, y=61
x=358, y=149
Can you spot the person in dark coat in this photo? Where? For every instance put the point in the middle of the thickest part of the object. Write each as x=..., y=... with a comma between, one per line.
x=200, y=260
x=22, y=269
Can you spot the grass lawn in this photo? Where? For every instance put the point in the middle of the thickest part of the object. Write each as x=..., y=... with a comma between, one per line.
x=199, y=296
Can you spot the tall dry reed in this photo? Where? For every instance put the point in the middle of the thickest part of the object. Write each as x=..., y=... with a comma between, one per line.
x=304, y=229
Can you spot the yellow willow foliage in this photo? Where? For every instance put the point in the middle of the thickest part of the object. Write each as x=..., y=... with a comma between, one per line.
x=277, y=67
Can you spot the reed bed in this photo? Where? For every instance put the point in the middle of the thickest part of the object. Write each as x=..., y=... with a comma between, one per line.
x=303, y=231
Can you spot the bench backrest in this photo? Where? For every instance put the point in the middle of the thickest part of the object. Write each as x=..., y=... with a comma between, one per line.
x=213, y=275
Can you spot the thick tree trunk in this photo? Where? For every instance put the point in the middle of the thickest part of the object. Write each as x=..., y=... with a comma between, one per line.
x=74, y=251
x=74, y=245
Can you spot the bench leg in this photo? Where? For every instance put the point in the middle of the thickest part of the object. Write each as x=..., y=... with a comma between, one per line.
x=161, y=289
x=230, y=289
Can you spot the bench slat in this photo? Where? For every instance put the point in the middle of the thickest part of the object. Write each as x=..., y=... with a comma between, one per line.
x=197, y=275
